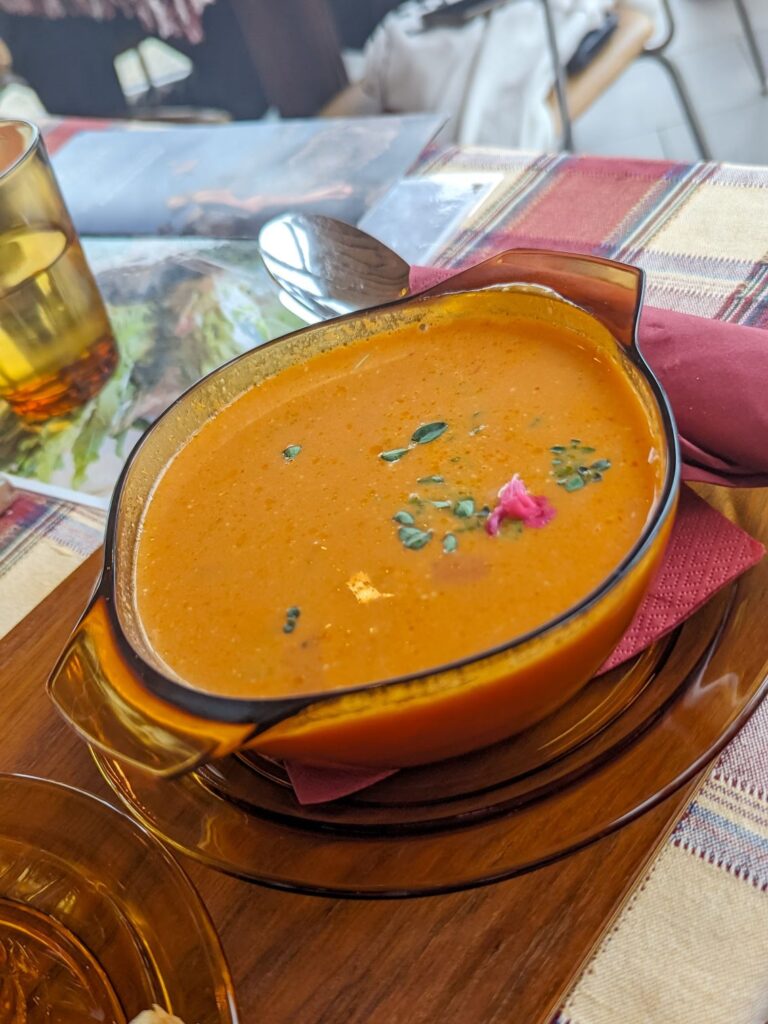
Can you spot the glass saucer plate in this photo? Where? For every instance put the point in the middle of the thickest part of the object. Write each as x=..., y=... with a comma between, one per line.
x=97, y=921
x=624, y=743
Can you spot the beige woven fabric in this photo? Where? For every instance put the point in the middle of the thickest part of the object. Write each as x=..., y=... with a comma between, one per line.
x=689, y=948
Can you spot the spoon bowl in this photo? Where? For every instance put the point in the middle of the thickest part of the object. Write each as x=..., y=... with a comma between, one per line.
x=329, y=268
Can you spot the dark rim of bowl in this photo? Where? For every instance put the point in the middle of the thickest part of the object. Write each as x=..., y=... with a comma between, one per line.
x=265, y=712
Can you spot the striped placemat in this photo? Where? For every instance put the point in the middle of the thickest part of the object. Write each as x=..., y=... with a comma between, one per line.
x=42, y=541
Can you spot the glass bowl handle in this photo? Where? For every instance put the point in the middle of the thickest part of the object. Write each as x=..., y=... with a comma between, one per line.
x=99, y=694
x=612, y=292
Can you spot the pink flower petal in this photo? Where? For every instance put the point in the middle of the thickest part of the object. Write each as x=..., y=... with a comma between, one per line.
x=493, y=522
x=515, y=502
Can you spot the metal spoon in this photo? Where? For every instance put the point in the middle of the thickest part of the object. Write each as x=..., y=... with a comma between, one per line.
x=327, y=267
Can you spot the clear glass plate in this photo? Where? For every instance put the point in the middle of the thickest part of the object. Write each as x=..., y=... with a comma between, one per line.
x=626, y=742
x=97, y=920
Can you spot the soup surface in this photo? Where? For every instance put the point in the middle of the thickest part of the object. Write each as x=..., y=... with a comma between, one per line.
x=340, y=522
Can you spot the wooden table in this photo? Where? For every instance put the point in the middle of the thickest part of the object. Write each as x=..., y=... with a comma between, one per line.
x=502, y=954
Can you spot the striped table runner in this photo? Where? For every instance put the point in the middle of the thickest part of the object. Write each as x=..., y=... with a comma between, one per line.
x=42, y=541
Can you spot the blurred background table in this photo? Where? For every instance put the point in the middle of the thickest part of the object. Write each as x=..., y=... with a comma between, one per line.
x=247, y=55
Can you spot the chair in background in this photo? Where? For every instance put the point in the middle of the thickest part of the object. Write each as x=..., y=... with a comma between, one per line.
x=572, y=96
x=754, y=49
x=632, y=39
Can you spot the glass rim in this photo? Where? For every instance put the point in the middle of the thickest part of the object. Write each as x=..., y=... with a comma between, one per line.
x=32, y=146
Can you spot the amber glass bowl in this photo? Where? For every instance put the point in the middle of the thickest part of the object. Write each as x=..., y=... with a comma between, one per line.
x=118, y=695
x=97, y=920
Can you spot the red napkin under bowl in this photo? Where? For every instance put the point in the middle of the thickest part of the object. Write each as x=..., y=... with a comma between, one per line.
x=715, y=375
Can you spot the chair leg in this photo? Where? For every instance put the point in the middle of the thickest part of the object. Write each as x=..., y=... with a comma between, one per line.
x=557, y=66
x=754, y=49
x=658, y=53
x=685, y=102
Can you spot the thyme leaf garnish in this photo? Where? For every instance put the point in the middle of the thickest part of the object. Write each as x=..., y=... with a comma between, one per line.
x=291, y=618
x=394, y=454
x=571, y=469
x=413, y=538
x=428, y=432
x=404, y=518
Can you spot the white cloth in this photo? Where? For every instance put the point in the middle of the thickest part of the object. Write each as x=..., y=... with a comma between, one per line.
x=491, y=76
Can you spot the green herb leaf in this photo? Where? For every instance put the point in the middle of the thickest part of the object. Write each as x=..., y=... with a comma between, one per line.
x=464, y=508
x=441, y=504
x=405, y=518
x=574, y=483
x=428, y=432
x=449, y=543
x=571, y=469
x=413, y=538
x=291, y=617
x=431, y=480
x=290, y=453
x=394, y=454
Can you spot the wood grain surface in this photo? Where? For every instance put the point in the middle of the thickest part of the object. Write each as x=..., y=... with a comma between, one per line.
x=506, y=953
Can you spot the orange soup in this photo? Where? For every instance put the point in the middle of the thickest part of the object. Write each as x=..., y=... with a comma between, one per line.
x=341, y=522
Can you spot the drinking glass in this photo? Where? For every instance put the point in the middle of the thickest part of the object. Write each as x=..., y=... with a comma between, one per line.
x=56, y=344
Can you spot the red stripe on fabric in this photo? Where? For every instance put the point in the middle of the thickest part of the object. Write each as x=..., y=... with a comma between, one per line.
x=56, y=136
x=586, y=204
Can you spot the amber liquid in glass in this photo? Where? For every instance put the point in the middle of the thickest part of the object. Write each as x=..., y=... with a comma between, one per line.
x=47, y=975
x=56, y=346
